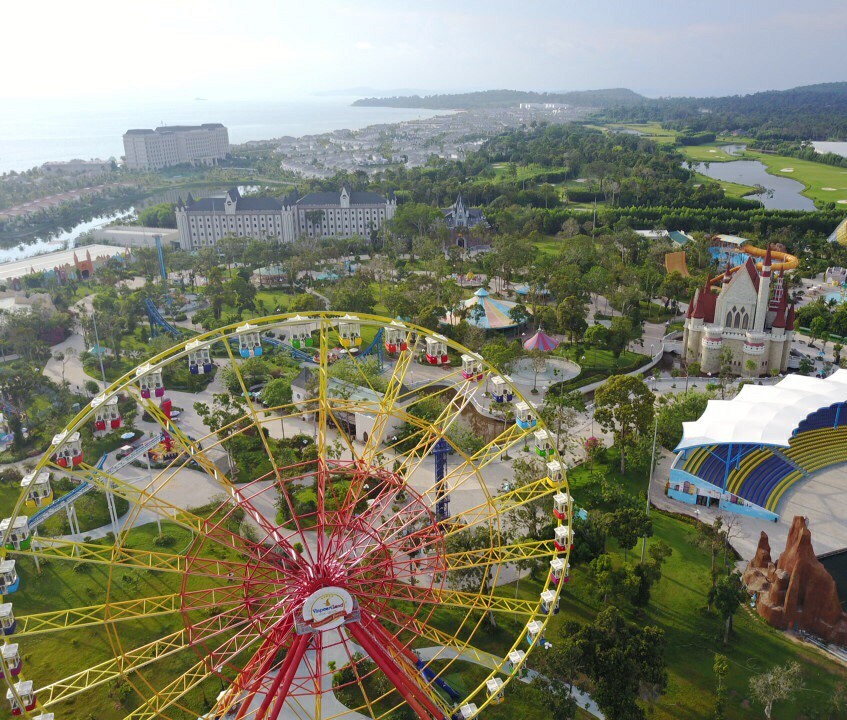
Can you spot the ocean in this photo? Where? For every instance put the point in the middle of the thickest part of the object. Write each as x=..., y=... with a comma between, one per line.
x=34, y=131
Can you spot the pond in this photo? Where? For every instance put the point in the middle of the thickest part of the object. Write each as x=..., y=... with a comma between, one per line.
x=783, y=193
x=61, y=240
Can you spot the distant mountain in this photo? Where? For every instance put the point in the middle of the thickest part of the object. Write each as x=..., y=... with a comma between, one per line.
x=359, y=91
x=507, y=98
x=810, y=112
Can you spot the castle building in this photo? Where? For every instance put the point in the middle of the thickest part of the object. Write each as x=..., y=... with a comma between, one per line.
x=203, y=223
x=343, y=214
x=175, y=145
x=749, y=314
x=461, y=221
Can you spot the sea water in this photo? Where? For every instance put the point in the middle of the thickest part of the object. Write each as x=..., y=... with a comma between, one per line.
x=36, y=131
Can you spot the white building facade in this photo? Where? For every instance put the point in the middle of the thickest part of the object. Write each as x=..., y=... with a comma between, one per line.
x=175, y=145
x=203, y=223
x=750, y=316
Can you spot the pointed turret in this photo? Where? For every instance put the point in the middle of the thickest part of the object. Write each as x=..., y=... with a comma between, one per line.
x=766, y=265
x=727, y=275
x=189, y=200
x=789, y=321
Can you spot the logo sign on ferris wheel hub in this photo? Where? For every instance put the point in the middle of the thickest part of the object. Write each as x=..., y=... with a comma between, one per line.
x=326, y=609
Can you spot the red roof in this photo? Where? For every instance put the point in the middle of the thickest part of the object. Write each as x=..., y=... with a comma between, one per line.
x=789, y=321
x=766, y=265
x=750, y=267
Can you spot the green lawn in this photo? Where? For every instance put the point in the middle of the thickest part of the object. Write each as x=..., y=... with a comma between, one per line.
x=693, y=637
x=731, y=189
x=815, y=176
x=51, y=656
x=652, y=130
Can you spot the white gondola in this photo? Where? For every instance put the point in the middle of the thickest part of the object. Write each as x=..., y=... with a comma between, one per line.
x=350, y=331
x=68, y=449
x=8, y=624
x=516, y=658
x=11, y=658
x=526, y=416
x=18, y=529
x=562, y=538
x=9, y=580
x=249, y=341
x=543, y=443
x=39, y=492
x=436, y=350
x=468, y=711
x=534, y=632
x=555, y=472
x=44, y=716
x=299, y=331
x=557, y=570
x=494, y=686
x=199, y=358
x=471, y=367
x=25, y=693
x=396, y=336
x=150, y=381
x=107, y=416
x=549, y=602
x=561, y=503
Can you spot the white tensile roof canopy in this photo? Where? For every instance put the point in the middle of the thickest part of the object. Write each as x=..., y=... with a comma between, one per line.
x=764, y=414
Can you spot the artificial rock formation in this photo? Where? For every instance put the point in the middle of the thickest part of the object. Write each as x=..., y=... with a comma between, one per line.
x=797, y=593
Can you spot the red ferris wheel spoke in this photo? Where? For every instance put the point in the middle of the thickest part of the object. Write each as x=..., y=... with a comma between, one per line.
x=285, y=675
x=417, y=698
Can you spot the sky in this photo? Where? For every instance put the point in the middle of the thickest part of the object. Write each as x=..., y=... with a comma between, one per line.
x=261, y=49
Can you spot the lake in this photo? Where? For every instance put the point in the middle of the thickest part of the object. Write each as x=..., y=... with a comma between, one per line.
x=61, y=240
x=839, y=148
x=784, y=195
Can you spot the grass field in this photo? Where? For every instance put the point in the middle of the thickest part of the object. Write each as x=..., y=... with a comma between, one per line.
x=815, y=176
x=693, y=636
x=730, y=188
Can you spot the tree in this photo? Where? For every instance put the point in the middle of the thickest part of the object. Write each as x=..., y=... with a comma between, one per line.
x=628, y=524
x=750, y=366
x=620, y=333
x=721, y=670
x=597, y=336
x=725, y=372
x=778, y=683
x=571, y=314
x=806, y=366
x=561, y=413
x=818, y=328
x=277, y=393
x=474, y=577
x=529, y=521
x=678, y=409
x=624, y=661
x=624, y=406
x=726, y=595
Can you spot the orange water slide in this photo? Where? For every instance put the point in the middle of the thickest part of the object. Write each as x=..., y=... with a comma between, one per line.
x=676, y=262
x=779, y=261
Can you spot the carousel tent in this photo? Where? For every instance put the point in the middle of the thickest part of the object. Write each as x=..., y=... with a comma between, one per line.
x=493, y=314
x=541, y=341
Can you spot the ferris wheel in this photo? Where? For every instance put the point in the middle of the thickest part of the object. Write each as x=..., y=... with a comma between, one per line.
x=336, y=554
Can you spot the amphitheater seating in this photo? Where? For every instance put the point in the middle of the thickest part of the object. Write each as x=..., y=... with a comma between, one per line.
x=823, y=419
x=762, y=477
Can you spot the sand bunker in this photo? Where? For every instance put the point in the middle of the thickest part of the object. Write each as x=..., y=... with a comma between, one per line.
x=787, y=170
x=827, y=188
x=841, y=202
x=712, y=151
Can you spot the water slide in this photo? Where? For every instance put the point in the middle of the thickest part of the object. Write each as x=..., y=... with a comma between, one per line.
x=779, y=261
x=87, y=487
x=157, y=321
x=675, y=262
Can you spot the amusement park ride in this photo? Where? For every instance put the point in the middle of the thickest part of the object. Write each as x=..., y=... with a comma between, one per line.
x=269, y=618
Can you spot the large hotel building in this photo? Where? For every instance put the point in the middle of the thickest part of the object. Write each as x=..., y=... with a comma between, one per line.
x=343, y=214
x=175, y=145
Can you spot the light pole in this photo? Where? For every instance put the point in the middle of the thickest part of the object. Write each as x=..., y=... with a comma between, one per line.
x=99, y=348
x=650, y=477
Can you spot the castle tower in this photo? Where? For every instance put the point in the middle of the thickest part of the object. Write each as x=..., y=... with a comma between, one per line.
x=764, y=294
x=778, y=337
x=712, y=345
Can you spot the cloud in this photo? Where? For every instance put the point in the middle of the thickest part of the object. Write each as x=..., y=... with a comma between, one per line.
x=364, y=45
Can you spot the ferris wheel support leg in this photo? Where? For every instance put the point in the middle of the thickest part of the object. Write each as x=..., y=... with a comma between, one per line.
x=284, y=678
x=388, y=639
x=412, y=693
x=264, y=659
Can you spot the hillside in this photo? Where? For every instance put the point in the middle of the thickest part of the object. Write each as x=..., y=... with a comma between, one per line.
x=811, y=112
x=507, y=98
